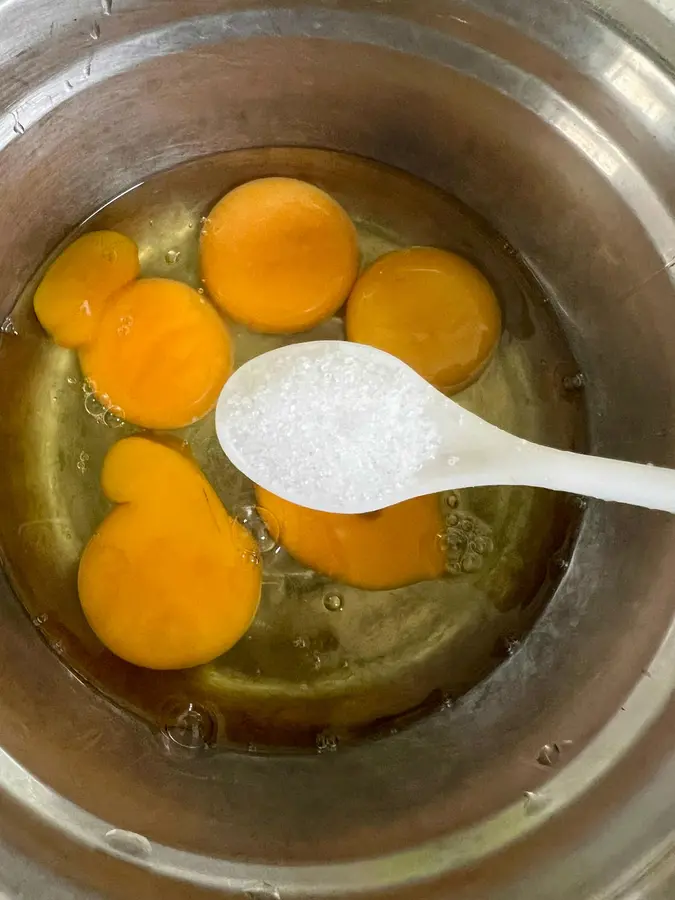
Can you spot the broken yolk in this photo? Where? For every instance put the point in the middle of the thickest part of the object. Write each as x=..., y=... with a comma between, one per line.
x=169, y=580
x=279, y=255
x=430, y=308
x=160, y=353
x=381, y=550
x=69, y=299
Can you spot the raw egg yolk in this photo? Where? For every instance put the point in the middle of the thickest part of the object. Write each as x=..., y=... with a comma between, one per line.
x=279, y=255
x=70, y=297
x=160, y=354
x=169, y=580
x=430, y=308
x=377, y=551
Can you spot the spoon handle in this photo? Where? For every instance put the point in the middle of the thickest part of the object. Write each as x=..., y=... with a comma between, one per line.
x=593, y=476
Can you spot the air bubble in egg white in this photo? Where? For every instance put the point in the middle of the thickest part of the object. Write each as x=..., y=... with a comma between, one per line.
x=326, y=743
x=333, y=602
x=93, y=407
x=113, y=417
x=574, y=382
x=8, y=327
x=190, y=731
x=261, y=524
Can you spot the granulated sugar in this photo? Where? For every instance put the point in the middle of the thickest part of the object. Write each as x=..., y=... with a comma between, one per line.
x=326, y=423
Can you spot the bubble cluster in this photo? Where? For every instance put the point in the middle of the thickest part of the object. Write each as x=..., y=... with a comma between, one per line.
x=467, y=542
x=326, y=743
x=8, y=327
x=101, y=409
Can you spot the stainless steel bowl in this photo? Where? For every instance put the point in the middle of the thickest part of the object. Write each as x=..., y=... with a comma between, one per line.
x=554, y=121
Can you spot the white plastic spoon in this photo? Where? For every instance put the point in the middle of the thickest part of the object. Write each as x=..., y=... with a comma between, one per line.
x=346, y=428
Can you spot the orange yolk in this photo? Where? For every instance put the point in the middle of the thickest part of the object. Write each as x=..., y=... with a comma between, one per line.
x=279, y=255
x=430, y=308
x=160, y=353
x=169, y=580
x=377, y=551
x=69, y=299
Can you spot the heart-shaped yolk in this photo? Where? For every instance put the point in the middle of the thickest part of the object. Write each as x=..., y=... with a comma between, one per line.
x=169, y=580
x=432, y=309
x=160, y=353
x=377, y=551
x=71, y=295
x=279, y=255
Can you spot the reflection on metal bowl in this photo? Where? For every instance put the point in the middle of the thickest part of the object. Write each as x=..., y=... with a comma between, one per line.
x=552, y=123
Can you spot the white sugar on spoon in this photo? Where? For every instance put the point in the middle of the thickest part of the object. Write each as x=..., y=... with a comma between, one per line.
x=346, y=428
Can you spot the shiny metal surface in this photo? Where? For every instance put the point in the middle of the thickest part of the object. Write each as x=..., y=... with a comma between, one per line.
x=554, y=122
